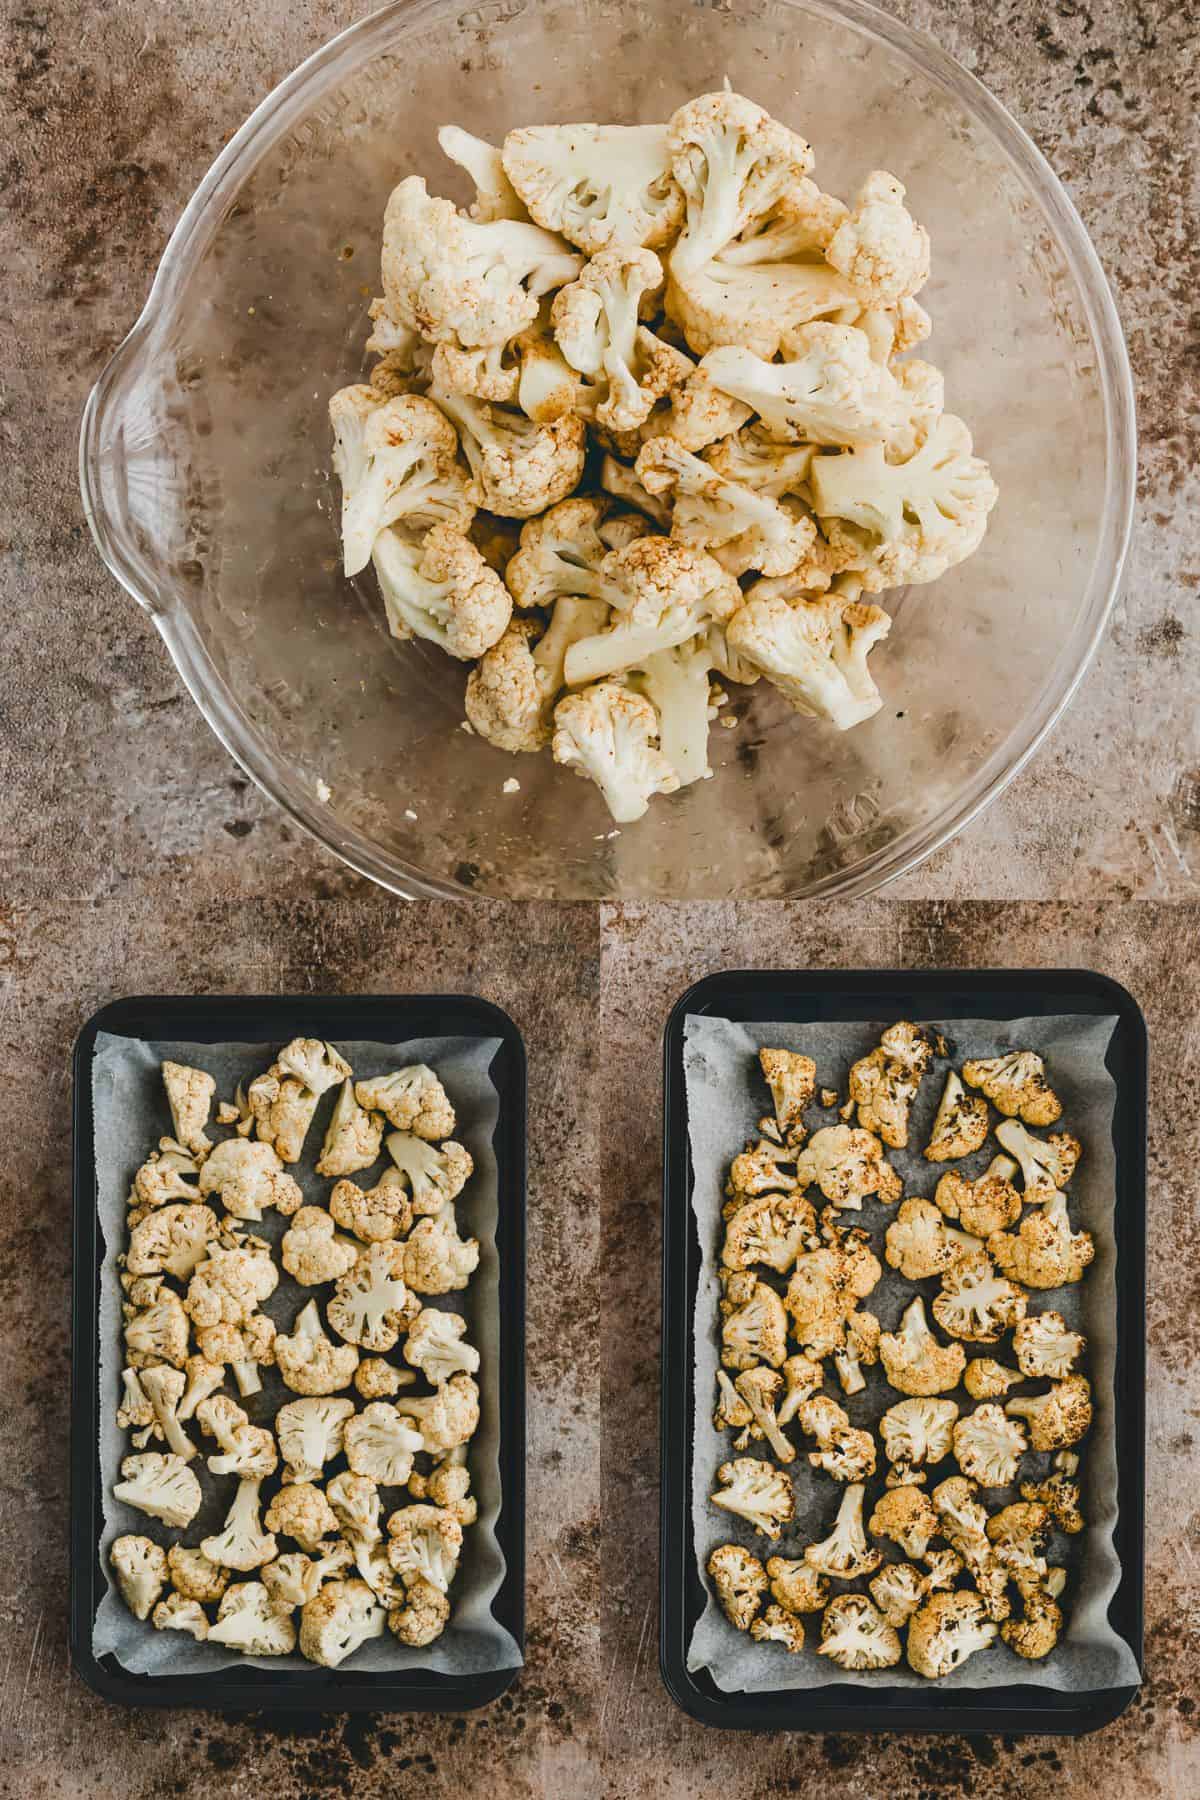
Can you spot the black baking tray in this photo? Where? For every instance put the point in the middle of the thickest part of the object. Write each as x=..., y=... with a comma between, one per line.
x=802, y=995
x=250, y=1019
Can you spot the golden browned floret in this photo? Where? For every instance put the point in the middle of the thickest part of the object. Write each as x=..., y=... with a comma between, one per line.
x=167, y=1174
x=919, y=1242
x=913, y=1359
x=842, y=1451
x=883, y=1084
x=792, y=1079
x=903, y=1474
x=986, y=1379
x=945, y=1630
x=826, y=1286
x=302, y=1512
x=423, y=1617
x=778, y=1626
x=1059, y=1493
x=757, y=1492
x=861, y=1348
x=193, y=1576
x=1045, y=1347
x=771, y=1229
x=990, y=1203
x=1058, y=1418
x=964, y=1526
x=960, y=1124
x=1016, y=1086
x=897, y=1591
x=731, y=1413
x=848, y=1166
x=829, y=1098
x=1047, y=1164
x=761, y=1389
x=1036, y=1632
x=1044, y=1252
x=802, y=1377
x=856, y=1635
x=975, y=1303
x=754, y=1328
x=758, y=1171
x=906, y=1515
x=797, y=1586
x=988, y=1446
x=740, y=1581
x=845, y=1552
x=376, y=1215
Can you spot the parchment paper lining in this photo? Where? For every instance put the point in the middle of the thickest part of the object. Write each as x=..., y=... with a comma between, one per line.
x=131, y=1114
x=726, y=1096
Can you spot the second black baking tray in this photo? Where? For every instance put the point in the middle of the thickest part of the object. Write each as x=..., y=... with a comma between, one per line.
x=247, y=1019
x=921, y=994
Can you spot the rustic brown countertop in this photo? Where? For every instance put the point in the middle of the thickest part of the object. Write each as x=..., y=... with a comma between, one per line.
x=136, y=857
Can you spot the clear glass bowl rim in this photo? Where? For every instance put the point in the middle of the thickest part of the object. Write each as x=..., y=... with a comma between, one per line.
x=291, y=100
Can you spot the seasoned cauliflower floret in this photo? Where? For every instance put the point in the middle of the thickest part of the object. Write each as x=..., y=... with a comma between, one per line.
x=436, y=1259
x=883, y=1084
x=247, y=1621
x=918, y=1431
x=396, y=458
x=778, y=1626
x=249, y=1178
x=757, y=1492
x=988, y=1447
x=311, y=1250
x=425, y=1541
x=986, y=1379
x=597, y=184
x=1058, y=1418
x=945, y=1630
x=989, y=1203
x=845, y=1553
x=855, y=1634
x=447, y=1418
x=828, y=390
x=310, y=1434
x=140, y=1566
x=411, y=1099
x=171, y=1240
x=975, y=1303
x=434, y=1344
x=177, y=1614
x=771, y=1229
x=381, y=1444
x=848, y=1165
x=792, y=1079
x=376, y=1214
x=340, y=1617
x=879, y=248
x=663, y=593
x=435, y=1175
x=309, y=1362
x=423, y=1616
x=438, y=587
x=842, y=1451
x=609, y=734
x=1016, y=1086
x=302, y=1512
x=897, y=1591
x=242, y=1544
x=626, y=369
x=905, y=1515
x=960, y=1124
x=189, y=1095
x=733, y=162
x=797, y=1586
x=1059, y=1493
x=754, y=1327
x=193, y=1576
x=1043, y=1252
x=230, y=1284
x=371, y=1304
x=1044, y=1346
x=520, y=466
x=744, y=529
x=914, y=1361
x=919, y=1243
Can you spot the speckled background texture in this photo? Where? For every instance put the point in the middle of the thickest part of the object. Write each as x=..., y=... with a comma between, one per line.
x=134, y=856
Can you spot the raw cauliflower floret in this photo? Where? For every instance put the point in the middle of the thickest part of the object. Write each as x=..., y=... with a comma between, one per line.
x=435, y=1344
x=164, y=1388
x=189, y=1095
x=293, y=1579
x=754, y=1327
x=855, y=1634
x=447, y=1418
x=520, y=466
x=312, y=1252
x=906, y=1515
x=459, y=281
x=158, y=1331
x=411, y=1099
x=245, y=1348
x=436, y=1259
x=879, y=248
x=375, y=1214
x=1044, y=1252
x=914, y=1361
x=676, y=683
x=845, y=1553
x=245, y=1449
x=1044, y=1345
x=172, y=1240
x=814, y=649
x=229, y=1285
x=177, y=1614
x=423, y=1616
x=757, y=1492
x=919, y=1431
x=396, y=458
x=829, y=390
x=883, y=1084
x=426, y=1541
x=338, y=1620
x=242, y=1544
x=165, y=1175
x=248, y=1178
x=609, y=734
x=989, y=1203
x=599, y=185
x=302, y=1512
x=975, y=1303
x=733, y=162
x=1016, y=1086
x=1058, y=1418
x=355, y=1500
x=310, y=1434
x=438, y=587
x=495, y=196
x=247, y=1621
x=626, y=368
x=435, y=1175
x=381, y=1444
x=960, y=1124
x=309, y=1362
x=663, y=593
x=919, y=1242
x=561, y=553
x=945, y=1630
x=744, y=529
x=371, y=1305
x=848, y=1166
x=140, y=1566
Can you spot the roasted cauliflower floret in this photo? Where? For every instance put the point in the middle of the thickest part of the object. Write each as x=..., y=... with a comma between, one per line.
x=855, y=1634
x=1047, y=1164
x=960, y=1124
x=945, y=1630
x=990, y=1203
x=1045, y=1347
x=778, y=1626
x=842, y=1451
x=918, y=1431
x=1058, y=1418
x=771, y=1229
x=914, y=1361
x=1059, y=1493
x=1016, y=1086
x=848, y=1165
x=792, y=1079
x=905, y=1515
x=757, y=1492
x=802, y=1377
x=986, y=1379
x=1043, y=1252
x=797, y=1586
x=919, y=1243
x=861, y=1347
x=975, y=1303
x=845, y=1553
x=754, y=1327
x=758, y=1170
x=897, y=1591
x=883, y=1084
x=988, y=1446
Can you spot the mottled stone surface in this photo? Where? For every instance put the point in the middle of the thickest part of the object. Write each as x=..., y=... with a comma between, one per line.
x=650, y=956
x=135, y=856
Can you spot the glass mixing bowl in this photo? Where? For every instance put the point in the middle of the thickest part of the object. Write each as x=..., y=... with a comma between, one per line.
x=206, y=477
